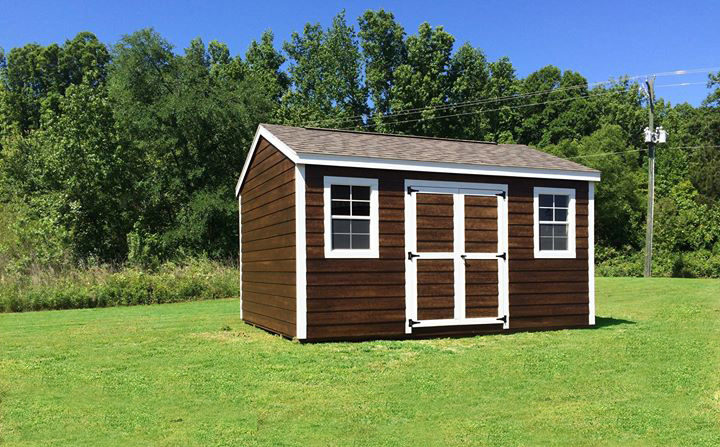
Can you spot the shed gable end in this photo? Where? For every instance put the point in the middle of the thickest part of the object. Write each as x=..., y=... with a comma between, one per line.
x=267, y=199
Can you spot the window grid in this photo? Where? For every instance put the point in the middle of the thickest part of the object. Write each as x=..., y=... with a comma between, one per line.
x=350, y=217
x=553, y=221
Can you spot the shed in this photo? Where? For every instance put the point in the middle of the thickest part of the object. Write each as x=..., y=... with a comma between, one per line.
x=348, y=235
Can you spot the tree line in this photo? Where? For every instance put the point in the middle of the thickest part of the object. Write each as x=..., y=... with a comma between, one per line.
x=129, y=152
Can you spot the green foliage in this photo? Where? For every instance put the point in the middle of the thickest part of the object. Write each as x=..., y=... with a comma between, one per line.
x=325, y=71
x=130, y=153
x=423, y=80
x=383, y=45
x=684, y=223
x=104, y=287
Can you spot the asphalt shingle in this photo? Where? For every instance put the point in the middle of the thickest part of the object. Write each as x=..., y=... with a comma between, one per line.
x=412, y=148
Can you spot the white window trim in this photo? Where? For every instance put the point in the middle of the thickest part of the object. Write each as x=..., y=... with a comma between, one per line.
x=557, y=254
x=374, y=250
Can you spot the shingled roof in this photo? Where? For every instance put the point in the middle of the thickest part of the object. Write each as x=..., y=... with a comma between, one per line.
x=314, y=141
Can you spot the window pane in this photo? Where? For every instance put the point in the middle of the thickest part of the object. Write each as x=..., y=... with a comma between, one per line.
x=560, y=230
x=340, y=192
x=360, y=241
x=546, y=230
x=360, y=208
x=341, y=241
x=546, y=243
x=360, y=226
x=340, y=208
x=561, y=243
x=546, y=200
x=561, y=215
x=361, y=193
x=340, y=226
x=546, y=214
x=562, y=201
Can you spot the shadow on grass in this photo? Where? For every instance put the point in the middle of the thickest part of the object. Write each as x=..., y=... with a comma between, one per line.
x=609, y=321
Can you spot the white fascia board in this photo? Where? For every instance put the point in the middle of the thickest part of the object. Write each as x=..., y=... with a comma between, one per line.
x=272, y=139
x=443, y=167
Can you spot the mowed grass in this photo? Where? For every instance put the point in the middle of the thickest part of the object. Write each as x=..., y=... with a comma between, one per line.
x=169, y=375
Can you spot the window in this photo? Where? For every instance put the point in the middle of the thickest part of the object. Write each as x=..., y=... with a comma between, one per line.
x=351, y=217
x=554, y=219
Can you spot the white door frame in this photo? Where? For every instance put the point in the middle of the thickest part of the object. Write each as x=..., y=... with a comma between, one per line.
x=458, y=190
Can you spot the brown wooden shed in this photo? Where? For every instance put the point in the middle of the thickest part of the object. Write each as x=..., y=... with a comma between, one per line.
x=350, y=235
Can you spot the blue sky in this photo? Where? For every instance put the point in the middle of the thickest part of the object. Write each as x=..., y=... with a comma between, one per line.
x=598, y=39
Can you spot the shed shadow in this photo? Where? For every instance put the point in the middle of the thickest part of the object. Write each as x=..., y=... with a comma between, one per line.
x=609, y=321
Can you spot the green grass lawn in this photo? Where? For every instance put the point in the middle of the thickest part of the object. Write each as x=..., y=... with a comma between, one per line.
x=169, y=375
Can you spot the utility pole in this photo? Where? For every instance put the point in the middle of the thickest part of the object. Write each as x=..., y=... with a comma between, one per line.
x=651, y=176
x=652, y=135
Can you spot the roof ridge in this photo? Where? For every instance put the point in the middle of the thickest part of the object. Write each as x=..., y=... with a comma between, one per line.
x=362, y=132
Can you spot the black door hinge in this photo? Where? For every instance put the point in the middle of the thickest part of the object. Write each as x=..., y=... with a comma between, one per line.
x=412, y=255
x=502, y=194
x=503, y=319
x=503, y=256
x=412, y=322
x=411, y=190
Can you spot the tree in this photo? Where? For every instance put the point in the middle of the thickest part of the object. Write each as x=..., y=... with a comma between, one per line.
x=325, y=71
x=383, y=45
x=263, y=67
x=35, y=77
x=188, y=116
x=470, y=77
x=502, y=88
x=423, y=82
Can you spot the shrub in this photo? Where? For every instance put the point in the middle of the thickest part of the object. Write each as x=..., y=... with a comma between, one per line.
x=105, y=286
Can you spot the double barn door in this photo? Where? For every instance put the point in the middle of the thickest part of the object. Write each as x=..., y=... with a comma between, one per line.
x=456, y=268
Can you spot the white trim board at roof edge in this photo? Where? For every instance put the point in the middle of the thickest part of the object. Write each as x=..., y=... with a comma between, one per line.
x=408, y=165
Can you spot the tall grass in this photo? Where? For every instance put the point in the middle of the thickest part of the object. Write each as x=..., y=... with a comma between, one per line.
x=47, y=289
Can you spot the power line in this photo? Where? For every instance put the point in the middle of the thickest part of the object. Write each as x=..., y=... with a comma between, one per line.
x=642, y=149
x=602, y=154
x=621, y=79
x=509, y=107
x=488, y=110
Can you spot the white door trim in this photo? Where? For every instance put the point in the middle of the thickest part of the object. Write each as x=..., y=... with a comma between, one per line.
x=459, y=190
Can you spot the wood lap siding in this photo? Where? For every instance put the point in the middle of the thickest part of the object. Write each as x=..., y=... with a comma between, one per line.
x=365, y=298
x=268, y=241
x=356, y=298
x=546, y=293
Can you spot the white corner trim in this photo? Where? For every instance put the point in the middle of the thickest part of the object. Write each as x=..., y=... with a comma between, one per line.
x=272, y=139
x=555, y=254
x=240, y=271
x=444, y=167
x=374, y=250
x=300, y=254
x=591, y=252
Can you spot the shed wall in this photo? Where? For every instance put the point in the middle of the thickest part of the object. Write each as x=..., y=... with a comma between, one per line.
x=268, y=241
x=365, y=298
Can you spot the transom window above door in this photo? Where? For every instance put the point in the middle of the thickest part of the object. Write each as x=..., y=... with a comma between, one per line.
x=351, y=217
x=554, y=222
